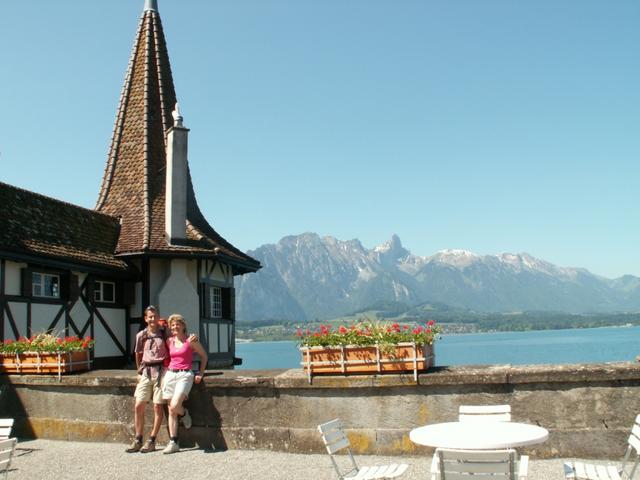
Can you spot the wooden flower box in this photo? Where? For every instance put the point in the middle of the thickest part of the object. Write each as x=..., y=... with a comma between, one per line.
x=35, y=363
x=403, y=357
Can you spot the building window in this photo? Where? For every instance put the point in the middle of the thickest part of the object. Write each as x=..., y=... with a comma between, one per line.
x=215, y=302
x=104, y=292
x=45, y=285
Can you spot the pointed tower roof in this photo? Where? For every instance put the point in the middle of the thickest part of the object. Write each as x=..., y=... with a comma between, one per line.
x=133, y=186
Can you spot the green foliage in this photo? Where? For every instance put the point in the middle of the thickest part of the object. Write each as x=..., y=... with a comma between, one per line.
x=46, y=343
x=369, y=333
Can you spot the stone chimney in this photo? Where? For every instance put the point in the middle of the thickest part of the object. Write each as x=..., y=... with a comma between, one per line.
x=176, y=183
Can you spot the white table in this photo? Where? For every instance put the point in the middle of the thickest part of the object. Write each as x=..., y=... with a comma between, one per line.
x=478, y=435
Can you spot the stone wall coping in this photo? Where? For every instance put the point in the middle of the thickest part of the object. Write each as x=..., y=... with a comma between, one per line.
x=297, y=379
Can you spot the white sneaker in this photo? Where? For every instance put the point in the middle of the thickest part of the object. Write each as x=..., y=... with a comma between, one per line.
x=172, y=447
x=186, y=419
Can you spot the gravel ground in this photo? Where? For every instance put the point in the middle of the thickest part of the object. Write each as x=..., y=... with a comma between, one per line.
x=49, y=459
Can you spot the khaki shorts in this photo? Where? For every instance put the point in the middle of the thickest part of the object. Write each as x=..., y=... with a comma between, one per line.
x=148, y=389
x=175, y=384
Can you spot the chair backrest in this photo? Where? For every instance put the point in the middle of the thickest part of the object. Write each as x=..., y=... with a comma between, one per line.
x=628, y=468
x=5, y=428
x=473, y=464
x=7, y=447
x=483, y=413
x=335, y=440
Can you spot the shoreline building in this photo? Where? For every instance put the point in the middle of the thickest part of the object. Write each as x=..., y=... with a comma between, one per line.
x=78, y=271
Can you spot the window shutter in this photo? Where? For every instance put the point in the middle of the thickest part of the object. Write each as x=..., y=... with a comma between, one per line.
x=64, y=285
x=232, y=304
x=90, y=287
x=128, y=293
x=206, y=301
x=25, y=277
x=226, y=303
x=74, y=288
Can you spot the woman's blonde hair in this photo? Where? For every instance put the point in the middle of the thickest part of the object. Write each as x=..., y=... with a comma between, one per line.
x=177, y=318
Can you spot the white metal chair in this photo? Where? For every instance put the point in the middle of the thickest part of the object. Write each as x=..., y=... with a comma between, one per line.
x=451, y=464
x=588, y=471
x=5, y=428
x=483, y=413
x=7, y=447
x=335, y=440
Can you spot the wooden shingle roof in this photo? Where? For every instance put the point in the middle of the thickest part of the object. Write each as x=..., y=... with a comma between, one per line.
x=133, y=186
x=36, y=227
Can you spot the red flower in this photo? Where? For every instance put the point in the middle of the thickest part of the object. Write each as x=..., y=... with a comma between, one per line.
x=342, y=329
x=316, y=334
x=299, y=333
x=85, y=344
x=87, y=338
x=8, y=341
x=431, y=322
x=417, y=330
x=59, y=341
x=23, y=339
x=396, y=327
x=405, y=327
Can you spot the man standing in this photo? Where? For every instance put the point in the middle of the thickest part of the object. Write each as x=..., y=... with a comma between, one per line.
x=151, y=352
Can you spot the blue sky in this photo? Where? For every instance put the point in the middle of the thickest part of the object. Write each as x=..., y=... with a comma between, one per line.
x=492, y=126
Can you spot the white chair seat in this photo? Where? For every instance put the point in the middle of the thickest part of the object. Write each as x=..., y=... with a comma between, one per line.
x=5, y=428
x=7, y=447
x=587, y=471
x=335, y=440
x=383, y=471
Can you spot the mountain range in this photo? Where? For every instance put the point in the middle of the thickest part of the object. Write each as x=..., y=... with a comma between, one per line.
x=308, y=277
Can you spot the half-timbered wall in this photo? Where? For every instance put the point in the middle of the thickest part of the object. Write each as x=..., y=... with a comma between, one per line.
x=218, y=331
x=74, y=313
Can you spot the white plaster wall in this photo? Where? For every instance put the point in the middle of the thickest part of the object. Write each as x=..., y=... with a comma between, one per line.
x=218, y=273
x=179, y=293
x=19, y=313
x=212, y=331
x=133, y=331
x=81, y=276
x=135, y=310
x=79, y=314
x=221, y=273
x=13, y=281
x=224, y=337
x=116, y=319
x=159, y=271
x=42, y=315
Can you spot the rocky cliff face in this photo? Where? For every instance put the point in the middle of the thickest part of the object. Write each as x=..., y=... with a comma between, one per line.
x=306, y=277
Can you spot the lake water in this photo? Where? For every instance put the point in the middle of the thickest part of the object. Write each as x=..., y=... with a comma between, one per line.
x=588, y=345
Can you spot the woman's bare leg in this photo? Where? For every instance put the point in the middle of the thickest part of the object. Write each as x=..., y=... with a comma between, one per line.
x=175, y=410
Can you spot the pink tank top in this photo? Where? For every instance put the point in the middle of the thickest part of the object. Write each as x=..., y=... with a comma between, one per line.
x=181, y=357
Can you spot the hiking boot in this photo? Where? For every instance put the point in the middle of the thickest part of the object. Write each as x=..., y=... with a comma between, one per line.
x=134, y=447
x=150, y=446
x=171, y=448
x=186, y=419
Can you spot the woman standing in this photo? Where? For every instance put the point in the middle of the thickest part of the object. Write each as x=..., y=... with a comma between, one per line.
x=177, y=382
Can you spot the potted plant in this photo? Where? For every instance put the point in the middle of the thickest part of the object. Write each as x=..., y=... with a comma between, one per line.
x=368, y=347
x=45, y=353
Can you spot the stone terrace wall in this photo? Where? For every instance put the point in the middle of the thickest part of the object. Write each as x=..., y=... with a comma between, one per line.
x=588, y=409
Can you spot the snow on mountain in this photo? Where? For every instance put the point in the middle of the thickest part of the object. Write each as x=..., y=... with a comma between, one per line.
x=307, y=276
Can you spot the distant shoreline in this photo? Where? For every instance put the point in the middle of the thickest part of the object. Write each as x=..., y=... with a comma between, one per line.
x=274, y=337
